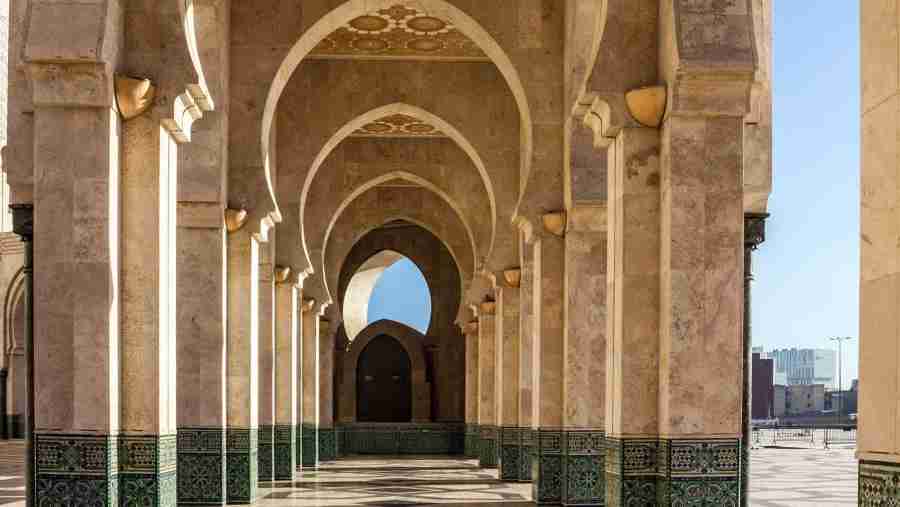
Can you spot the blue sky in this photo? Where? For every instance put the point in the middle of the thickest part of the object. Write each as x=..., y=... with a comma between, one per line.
x=807, y=272
x=806, y=287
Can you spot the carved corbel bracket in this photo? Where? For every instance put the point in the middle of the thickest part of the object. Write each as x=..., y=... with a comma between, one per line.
x=488, y=307
x=134, y=96
x=282, y=274
x=555, y=223
x=513, y=277
x=235, y=219
x=647, y=105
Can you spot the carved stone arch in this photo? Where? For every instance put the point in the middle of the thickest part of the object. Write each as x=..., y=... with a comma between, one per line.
x=355, y=8
x=446, y=180
x=414, y=344
x=12, y=298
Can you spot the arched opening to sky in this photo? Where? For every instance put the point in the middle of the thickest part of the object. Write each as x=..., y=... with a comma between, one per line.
x=401, y=294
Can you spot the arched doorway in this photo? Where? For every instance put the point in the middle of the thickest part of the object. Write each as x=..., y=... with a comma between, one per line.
x=384, y=382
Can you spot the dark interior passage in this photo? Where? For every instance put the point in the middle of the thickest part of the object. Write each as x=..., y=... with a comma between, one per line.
x=383, y=382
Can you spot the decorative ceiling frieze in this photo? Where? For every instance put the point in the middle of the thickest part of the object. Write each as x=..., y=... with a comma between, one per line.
x=398, y=125
x=402, y=32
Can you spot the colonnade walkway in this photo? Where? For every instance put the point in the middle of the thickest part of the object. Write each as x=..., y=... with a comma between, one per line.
x=779, y=478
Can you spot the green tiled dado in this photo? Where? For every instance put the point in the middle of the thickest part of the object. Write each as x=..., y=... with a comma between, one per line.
x=266, y=452
x=473, y=435
x=309, y=443
x=327, y=444
x=402, y=438
x=76, y=469
x=583, y=479
x=488, y=456
x=285, y=452
x=528, y=437
x=298, y=446
x=147, y=465
x=695, y=472
x=510, y=453
x=547, y=466
x=201, y=466
x=241, y=448
x=879, y=484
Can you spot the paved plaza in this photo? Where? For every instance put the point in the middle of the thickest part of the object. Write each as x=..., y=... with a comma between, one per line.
x=780, y=478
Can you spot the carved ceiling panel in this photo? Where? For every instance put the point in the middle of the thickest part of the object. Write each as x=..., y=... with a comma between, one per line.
x=398, y=125
x=400, y=31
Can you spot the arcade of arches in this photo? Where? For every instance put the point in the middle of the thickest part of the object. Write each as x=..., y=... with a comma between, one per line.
x=207, y=188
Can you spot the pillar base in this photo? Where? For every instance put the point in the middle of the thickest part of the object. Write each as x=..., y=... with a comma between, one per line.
x=510, y=453
x=285, y=452
x=879, y=483
x=298, y=436
x=309, y=443
x=147, y=465
x=201, y=466
x=266, y=451
x=241, y=450
x=327, y=444
x=584, y=455
x=526, y=454
x=471, y=447
x=488, y=457
x=673, y=472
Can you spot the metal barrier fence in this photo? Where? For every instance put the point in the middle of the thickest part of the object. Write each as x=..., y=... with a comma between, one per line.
x=807, y=436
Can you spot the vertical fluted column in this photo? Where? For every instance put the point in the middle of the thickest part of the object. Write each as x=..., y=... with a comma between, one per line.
x=266, y=322
x=487, y=385
x=77, y=296
x=310, y=350
x=507, y=375
x=548, y=266
x=472, y=432
x=584, y=337
x=286, y=372
x=326, y=433
x=526, y=359
x=241, y=444
x=633, y=307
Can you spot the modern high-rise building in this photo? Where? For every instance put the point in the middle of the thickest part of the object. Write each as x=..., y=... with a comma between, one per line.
x=805, y=366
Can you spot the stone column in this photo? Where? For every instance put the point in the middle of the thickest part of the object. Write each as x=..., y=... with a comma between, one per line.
x=507, y=375
x=298, y=431
x=472, y=432
x=754, y=235
x=487, y=386
x=241, y=434
x=584, y=338
x=266, y=323
x=633, y=264
x=878, y=447
x=310, y=352
x=77, y=295
x=526, y=359
x=327, y=434
x=548, y=266
x=286, y=370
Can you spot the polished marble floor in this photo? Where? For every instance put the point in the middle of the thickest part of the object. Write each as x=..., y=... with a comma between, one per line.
x=779, y=478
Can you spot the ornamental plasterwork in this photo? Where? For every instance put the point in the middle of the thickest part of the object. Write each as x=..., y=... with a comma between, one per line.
x=400, y=31
x=398, y=125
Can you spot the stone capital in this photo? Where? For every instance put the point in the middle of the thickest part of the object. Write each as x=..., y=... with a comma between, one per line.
x=754, y=229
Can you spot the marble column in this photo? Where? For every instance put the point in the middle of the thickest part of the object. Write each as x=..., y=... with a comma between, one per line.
x=327, y=433
x=878, y=447
x=633, y=287
x=76, y=291
x=266, y=323
x=287, y=355
x=241, y=434
x=487, y=386
x=472, y=432
x=547, y=291
x=526, y=359
x=507, y=375
x=584, y=339
x=298, y=431
x=754, y=235
x=309, y=338
x=201, y=334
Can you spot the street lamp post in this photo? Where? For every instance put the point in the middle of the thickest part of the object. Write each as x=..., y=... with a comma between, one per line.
x=840, y=340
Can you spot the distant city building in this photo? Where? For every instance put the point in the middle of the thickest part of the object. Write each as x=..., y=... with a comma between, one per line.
x=805, y=367
x=798, y=399
x=763, y=370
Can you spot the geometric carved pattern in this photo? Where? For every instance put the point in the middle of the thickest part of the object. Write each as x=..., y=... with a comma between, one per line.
x=548, y=466
x=201, y=466
x=397, y=125
x=399, y=31
x=241, y=458
x=583, y=467
x=147, y=465
x=406, y=439
x=76, y=469
x=879, y=484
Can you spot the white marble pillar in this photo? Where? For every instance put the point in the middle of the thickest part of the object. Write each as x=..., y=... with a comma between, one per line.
x=487, y=385
x=309, y=338
x=287, y=355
